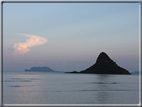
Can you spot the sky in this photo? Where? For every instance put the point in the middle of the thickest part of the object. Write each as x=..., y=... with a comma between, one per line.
x=69, y=36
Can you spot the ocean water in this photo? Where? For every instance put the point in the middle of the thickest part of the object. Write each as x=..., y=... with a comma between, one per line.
x=67, y=88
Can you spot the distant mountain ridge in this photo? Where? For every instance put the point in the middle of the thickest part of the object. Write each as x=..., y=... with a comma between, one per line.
x=135, y=72
x=40, y=69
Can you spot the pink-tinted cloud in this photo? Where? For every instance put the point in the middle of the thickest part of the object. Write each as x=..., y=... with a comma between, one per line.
x=22, y=48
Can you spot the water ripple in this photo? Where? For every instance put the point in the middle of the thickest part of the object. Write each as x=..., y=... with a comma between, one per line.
x=21, y=80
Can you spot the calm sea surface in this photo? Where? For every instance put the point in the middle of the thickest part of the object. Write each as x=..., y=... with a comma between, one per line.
x=65, y=88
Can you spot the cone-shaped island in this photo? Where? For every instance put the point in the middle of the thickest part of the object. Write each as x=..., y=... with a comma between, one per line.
x=104, y=65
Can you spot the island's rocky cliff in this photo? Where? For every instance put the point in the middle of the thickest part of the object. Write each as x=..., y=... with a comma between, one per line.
x=40, y=69
x=104, y=65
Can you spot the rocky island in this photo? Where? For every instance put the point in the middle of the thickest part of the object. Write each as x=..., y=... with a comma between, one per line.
x=104, y=65
x=40, y=69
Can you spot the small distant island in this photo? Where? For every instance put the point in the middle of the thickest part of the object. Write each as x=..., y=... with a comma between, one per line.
x=135, y=72
x=104, y=65
x=47, y=69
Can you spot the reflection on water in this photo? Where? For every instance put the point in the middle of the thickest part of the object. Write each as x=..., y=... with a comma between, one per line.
x=21, y=88
x=103, y=96
x=21, y=80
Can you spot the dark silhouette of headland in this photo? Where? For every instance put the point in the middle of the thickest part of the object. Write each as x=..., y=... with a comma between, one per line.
x=47, y=69
x=104, y=65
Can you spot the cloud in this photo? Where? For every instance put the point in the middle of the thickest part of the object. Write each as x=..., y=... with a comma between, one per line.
x=22, y=48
